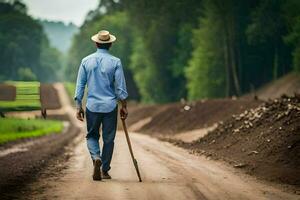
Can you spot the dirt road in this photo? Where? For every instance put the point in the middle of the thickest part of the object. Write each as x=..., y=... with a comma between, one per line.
x=168, y=172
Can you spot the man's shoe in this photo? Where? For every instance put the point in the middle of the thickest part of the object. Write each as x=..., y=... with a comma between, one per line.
x=97, y=171
x=106, y=175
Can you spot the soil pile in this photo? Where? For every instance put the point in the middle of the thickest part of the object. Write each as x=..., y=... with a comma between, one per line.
x=265, y=141
x=180, y=117
x=7, y=92
x=139, y=112
x=288, y=85
x=49, y=97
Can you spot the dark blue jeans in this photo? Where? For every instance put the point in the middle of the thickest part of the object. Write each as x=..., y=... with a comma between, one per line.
x=109, y=125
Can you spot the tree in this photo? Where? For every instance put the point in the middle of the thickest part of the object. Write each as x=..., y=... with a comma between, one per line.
x=165, y=30
x=205, y=72
x=22, y=43
x=266, y=31
x=292, y=20
x=25, y=74
x=199, y=49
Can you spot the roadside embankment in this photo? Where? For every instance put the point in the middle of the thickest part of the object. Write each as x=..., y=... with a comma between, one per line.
x=262, y=138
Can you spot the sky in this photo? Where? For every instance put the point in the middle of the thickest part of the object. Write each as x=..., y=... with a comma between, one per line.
x=61, y=10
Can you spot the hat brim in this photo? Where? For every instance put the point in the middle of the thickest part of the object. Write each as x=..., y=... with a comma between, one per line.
x=112, y=39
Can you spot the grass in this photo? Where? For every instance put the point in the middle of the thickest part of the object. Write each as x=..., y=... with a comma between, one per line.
x=70, y=87
x=12, y=129
x=19, y=105
x=27, y=97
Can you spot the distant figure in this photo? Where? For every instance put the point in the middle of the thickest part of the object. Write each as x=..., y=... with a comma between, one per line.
x=44, y=113
x=103, y=74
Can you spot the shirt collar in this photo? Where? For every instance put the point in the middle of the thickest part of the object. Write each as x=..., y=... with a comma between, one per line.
x=102, y=50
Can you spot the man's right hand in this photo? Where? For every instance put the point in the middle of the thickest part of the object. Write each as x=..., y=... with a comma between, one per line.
x=80, y=114
x=123, y=113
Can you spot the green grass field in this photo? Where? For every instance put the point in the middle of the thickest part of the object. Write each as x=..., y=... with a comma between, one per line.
x=13, y=129
x=27, y=97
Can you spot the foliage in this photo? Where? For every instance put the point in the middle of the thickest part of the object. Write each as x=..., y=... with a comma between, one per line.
x=205, y=72
x=169, y=49
x=292, y=18
x=70, y=88
x=25, y=74
x=51, y=67
x=23, y=43
x=12, y=129
x=266, y=32
x=198, y=49
x=141, y=65
x=165, y=30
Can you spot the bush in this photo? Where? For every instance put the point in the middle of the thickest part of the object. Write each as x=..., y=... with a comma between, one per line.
x=25, y=74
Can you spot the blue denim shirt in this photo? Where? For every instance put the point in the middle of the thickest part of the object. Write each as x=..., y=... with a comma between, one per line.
x=104, y=77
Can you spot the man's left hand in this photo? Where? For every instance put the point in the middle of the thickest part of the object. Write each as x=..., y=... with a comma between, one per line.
x=80, y=114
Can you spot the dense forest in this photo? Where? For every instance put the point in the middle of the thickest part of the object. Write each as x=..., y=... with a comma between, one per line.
x=170, y=50
x=196, y=49
x=25, y=52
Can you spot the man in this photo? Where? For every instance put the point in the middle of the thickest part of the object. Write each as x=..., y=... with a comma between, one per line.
x=104, y=77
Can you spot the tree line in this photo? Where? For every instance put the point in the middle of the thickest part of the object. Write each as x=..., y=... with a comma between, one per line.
x=196, y=48
x=170, y=49
x=25, y=52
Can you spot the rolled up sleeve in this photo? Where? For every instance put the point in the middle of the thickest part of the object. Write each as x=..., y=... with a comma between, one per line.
x=80, y=84
x=120, y=83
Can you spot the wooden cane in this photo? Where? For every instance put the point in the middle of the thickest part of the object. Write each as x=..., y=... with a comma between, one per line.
x=130, y=150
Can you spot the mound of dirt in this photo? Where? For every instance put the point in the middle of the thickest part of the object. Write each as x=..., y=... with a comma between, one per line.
x=265, y=141
x=49, y=97
x=181, y=117
x=139, y=112
x=7, y=92
x=288, y=85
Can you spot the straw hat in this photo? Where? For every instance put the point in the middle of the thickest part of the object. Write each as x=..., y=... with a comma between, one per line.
x=103, y=37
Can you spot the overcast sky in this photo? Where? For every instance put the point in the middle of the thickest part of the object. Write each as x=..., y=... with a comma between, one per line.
x=62, y=10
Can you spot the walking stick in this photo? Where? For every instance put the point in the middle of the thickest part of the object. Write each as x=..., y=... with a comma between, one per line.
x=130, y=150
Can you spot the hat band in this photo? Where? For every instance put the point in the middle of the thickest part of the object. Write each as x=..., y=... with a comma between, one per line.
x=104, y=39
